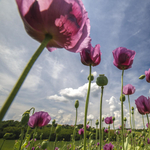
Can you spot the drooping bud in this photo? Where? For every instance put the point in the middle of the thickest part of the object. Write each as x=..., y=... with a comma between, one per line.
x=97, y=123
x=92, y=77
x=123, y=98
x=44, y=144
x=142, y=76
x=58, y=129
x=76, y=104
x=101, y=80
x=25, y=118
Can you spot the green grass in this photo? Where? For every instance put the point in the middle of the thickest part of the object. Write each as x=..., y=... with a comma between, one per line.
x=8, y=144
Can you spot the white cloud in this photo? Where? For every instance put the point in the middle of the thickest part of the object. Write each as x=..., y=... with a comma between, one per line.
x=82, y=71
x=94, y=73
x=60, y=111
x=90, y=117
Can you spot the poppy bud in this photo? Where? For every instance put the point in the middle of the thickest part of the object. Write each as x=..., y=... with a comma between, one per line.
x=142, y=144
x=142, y=76
x=125, y=119
x=102, y=119
x=44, y=144
x=53, y=122
x=97, y=123
x=92, y=77
x=58, y=129
x=101, y=80
x=132, y=108
x=25, y=118
x=132, y=112
x=113, y=118
x=76, y=104
x=123, y=98
x=88, y=122
x=133, y=134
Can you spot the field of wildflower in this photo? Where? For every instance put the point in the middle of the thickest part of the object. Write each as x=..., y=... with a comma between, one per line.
x=69, y=28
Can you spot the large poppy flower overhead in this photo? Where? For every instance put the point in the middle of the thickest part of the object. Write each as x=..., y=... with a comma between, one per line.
x=65, y=20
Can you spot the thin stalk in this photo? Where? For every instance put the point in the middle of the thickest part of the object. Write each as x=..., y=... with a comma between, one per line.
x=130, y=119
x=96, y=133
x=86, y=108
x=73, y=138
x=2, y=144
x=50, y=133
x=109, y=134
x=100, y=125
x=22, y=134
x=55, y=141
x=122, y=109
x=147, y=119
x=21, y=79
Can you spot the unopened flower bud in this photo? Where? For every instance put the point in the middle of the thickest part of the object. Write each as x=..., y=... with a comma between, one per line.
x=113, y=118
x=102, y=119
x=142, y=76
x=125, y=119
x=88, y=122
x=132, y=108
x=44, y=144
x=142, y=144
x=97, y=123
x=58, y=129
x=92, y=77
x=76, y=104
x=132, y=112
x=143, y=133
x=123, y=98
x=53, y=122
x=25, y=118
x=101, y=80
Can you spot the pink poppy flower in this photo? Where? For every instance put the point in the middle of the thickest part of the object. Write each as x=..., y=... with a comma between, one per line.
x=108, y=147
x=56, y=148
x=128, y=89
x=39, y=119
x=66, y=21
x=91, y=55
x=87, y=126
x=108, y=120
x=123, y=58
x=147, y=74
x=148, y=126
x=143, y=105
x=81, y=131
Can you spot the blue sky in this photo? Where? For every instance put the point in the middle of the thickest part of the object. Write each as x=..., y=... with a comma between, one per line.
x=58, y=78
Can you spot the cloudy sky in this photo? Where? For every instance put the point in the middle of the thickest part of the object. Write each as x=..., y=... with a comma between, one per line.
x=58, y=78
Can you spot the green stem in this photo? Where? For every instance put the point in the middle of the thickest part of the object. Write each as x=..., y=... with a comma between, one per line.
x=73, y=138
x=122, y=109
x=50, y=133
x=21, y=79
x=2, y=144
x=130, y=119
x=109, y=134
x=100, y=126
x=55, y=141
x=86, y=108
x=147, y=119
x=32, y=144
x=96, y=133
x=22, y=134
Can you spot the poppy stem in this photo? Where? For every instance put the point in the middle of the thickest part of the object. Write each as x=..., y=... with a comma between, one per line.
x=100, y=125
x=86, y=107
x=122, y=109
x=21, y=79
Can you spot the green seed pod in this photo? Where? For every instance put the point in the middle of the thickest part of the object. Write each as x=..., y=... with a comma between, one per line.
x=53, y=122
x=97, y=123
x=25, y=118
x=92, y=77
x=58, y=129
x=101, y=80
x=123, y=98
x=125, y=119
x=76, y=104
x=113, y=118
x=142, y=76
x=44, y=144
